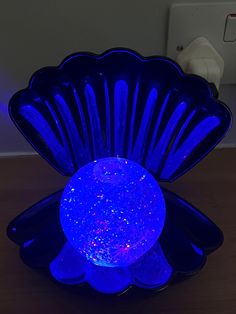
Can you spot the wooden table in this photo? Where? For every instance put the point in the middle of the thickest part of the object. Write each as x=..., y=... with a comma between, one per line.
x=211, y=186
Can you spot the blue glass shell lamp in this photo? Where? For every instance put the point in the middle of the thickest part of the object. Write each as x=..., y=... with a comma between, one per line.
x=117, y=124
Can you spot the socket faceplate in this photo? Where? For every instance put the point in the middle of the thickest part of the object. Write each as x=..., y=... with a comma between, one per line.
x=189, y=21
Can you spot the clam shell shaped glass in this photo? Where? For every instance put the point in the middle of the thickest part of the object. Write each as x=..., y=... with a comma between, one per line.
x=117, y=124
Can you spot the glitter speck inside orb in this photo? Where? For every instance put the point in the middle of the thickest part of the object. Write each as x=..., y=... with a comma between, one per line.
x=112, y=211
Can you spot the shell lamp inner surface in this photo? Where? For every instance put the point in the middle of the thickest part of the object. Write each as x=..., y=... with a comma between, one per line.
x=112, y=211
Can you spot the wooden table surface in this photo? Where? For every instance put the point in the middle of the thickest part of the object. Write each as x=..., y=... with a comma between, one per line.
x=210, y=186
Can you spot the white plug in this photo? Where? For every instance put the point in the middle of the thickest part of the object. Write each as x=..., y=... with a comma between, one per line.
x=201, y=58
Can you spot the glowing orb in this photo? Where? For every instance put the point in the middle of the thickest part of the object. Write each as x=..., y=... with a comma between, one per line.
x=112, y=211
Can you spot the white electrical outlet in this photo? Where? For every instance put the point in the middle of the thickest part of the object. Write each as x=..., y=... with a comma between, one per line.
x=214, y=21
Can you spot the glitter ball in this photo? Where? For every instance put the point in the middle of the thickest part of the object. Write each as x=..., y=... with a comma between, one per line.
x=112, y=211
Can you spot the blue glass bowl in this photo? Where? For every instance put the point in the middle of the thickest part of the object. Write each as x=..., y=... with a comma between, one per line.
x=119, y=104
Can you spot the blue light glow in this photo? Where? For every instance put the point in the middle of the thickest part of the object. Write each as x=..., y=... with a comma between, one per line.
x=69, y=122
x=142, y=136
x=60, y=151
x=120, y=104
x=120, y=111
x=153, y=269
x=95, y=125
x=68, y=266
x=150, y=271
x=176, y=157
x=159, y=153
x=115, y=117
x=112, y=211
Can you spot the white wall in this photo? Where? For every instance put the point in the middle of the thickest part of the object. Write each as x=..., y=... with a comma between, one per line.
x=34, y=34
